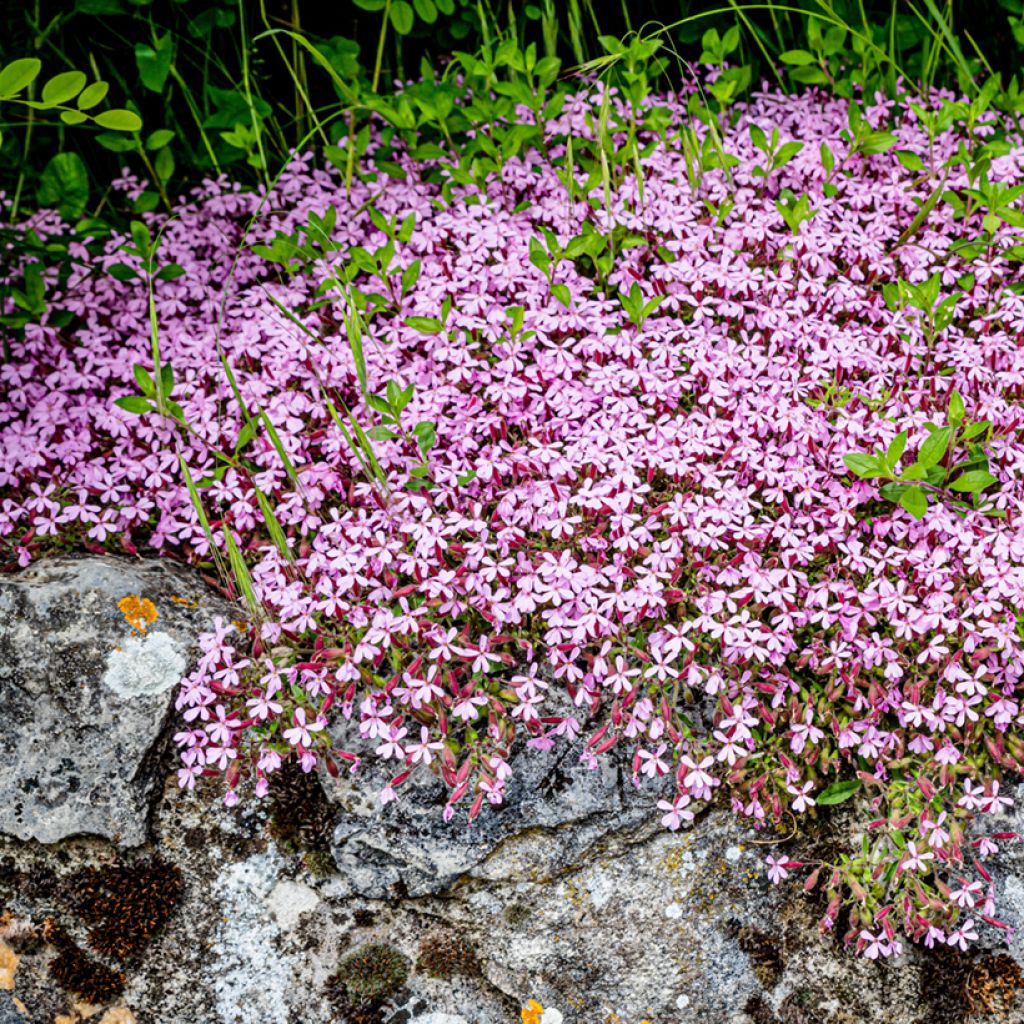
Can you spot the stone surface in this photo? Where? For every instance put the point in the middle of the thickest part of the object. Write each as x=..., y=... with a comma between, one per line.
x=84, y=697
x=572, y=895
x=554, y=813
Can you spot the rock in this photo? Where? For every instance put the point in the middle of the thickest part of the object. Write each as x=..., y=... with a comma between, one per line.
x=672, y=928
x=555, y=811
x=85, y=696
x=572, y=894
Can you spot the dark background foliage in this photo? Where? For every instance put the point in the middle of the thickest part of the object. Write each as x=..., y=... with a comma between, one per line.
x=196, y=69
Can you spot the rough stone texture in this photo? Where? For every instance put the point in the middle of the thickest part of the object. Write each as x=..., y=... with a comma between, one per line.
x=554, y=814
x=83, y=700
x=573, y=895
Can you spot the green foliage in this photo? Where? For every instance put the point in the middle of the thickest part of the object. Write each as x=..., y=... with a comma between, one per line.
x=952, y=466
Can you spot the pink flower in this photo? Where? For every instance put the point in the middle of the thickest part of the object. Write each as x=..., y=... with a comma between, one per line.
x=301, y=732
x=963, y=935
x=777, y=869
x=423, y=751
x=675, y=811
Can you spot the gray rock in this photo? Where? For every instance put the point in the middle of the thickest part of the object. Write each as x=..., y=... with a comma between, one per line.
x=84, y=697
x=8, y=1011
x=572, y=894
x=555, y=811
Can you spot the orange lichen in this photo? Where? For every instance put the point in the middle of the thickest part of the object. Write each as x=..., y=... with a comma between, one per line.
x=139, y=612
x=531, y=1012
x=185, y=602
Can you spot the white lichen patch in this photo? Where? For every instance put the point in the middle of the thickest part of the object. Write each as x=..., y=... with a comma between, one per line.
x=250, y=979
x=289, y=901
x=144, y=666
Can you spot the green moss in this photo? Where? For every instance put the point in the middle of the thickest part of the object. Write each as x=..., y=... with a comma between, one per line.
x=373, y=972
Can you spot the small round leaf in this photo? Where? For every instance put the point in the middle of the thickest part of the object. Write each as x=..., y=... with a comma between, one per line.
x=159, y=138
x=18, y=75
x=119, y=120
x=92, y=95
x=63, y=87
x=402, y=17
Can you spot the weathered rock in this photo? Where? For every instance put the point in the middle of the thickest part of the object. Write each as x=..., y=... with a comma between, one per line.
x=84, y=697
x=555, y=811
x=572, y=895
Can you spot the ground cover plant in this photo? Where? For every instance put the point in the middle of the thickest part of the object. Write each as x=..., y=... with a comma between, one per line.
x=683, y=425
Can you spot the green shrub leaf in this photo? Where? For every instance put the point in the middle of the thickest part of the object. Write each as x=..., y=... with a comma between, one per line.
x=64, y=184
x=838, y=792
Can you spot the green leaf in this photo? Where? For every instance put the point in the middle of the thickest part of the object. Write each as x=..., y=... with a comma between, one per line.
x=119, y=120
x=143, y=379
x=863, y=465
x=896, y=449
x=381, y=434
x=164, y=165
x=18, y=75
x=92, y=95
x=426, y=435
x=934, y=447
x=122, y=272
x=73, y=117
x=63, y=87
x=115, y=143
x=797, y=57
x=134, y=403
x=915, y=501
x=877, y=142
x=957, y=409
x=171, y=272
x=426, y=10
x=140, y=237
x=838, y=792
x=98, y=7
x=249, y=430
x=974, y=481
x=974, y=429
x=809, y=76
x=910, y=160
x=424, y=324
x=159, y=139
x=402, y=17
x=64, y=184
x=561, y=292
x=154, y=62
x=410, y=276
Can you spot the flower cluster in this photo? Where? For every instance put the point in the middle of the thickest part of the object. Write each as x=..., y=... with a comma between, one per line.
x=634, y=529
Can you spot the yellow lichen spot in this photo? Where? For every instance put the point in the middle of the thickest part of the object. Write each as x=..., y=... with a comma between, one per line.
x=185, y=602
x=138, y=612
x=531, y=1012
x=8, y=966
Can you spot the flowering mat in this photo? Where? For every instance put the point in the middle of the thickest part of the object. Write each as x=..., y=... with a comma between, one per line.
x=716, y=470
